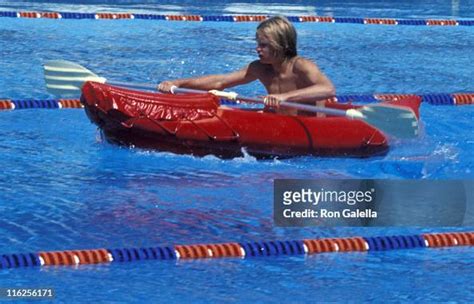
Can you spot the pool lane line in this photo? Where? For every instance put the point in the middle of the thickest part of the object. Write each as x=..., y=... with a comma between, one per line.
x=433, y=99
x=236, y=18
x=237, y=250
x=8, y=104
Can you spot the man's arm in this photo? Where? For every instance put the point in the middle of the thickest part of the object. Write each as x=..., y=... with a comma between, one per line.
x=213, y=82
x=319, y=88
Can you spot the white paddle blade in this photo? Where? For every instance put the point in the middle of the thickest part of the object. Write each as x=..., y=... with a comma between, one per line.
x=65, y=78
x=396, y=121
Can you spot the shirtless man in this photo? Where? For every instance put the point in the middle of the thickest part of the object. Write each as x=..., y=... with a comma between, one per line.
x=285, y=75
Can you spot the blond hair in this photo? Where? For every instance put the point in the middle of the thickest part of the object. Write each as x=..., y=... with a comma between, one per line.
x=281, y=34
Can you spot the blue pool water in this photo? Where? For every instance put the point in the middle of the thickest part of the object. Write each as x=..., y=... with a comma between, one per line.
x=63, y=188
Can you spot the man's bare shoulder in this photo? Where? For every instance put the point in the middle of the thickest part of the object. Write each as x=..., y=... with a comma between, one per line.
x=257, y=68
x=257, y=65
x=304, y=65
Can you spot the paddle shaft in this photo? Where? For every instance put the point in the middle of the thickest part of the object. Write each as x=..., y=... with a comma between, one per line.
x=298, y=106
x=143, y=86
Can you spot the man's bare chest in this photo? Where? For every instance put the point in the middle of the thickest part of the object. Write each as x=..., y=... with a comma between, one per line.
x=280, y=83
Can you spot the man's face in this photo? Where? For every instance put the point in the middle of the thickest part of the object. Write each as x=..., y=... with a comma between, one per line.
x=264, y=51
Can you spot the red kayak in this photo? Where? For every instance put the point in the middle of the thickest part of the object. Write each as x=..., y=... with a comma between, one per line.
x=197, y=124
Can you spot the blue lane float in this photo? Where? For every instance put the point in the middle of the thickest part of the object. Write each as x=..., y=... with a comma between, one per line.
x=70, y=15
x=357, y=98
x=19, y=260
x=149, y=17
x=36, y=104
x=349, y=20
x=8, y=14
x=411, y=22
x=395, y=242
x=438, y=99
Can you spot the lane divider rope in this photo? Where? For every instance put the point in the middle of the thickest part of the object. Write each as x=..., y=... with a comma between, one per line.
x=236, y=18
x=237, y=250
x=433, y=99
x=7, y=104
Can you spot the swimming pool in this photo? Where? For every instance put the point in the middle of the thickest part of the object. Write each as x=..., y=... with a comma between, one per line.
x=63, y=188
